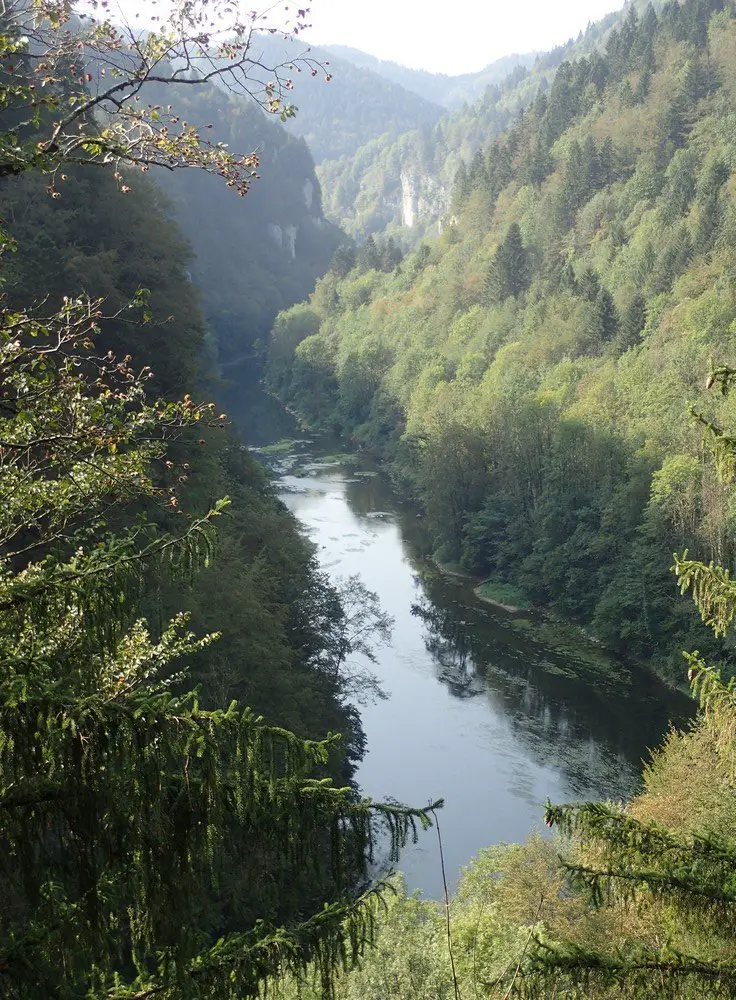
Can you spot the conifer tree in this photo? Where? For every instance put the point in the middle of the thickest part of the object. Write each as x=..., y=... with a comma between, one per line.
x=630, y=862
x=391, y=255
x=343, y=260
x=606, y=161
x=118, y=790
x=370, y=258
x=633, y=322
x=604, y=324
x=511, y=271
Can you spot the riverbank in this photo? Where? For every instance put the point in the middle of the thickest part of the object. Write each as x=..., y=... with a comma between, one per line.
x=509, y=598
x=500, y=594
x=511, y=700
x=491, y=591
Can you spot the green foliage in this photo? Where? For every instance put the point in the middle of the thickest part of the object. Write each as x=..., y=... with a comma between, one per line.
x=527, y=373
x=72, y=88
x=121, y=795
x=505, y=594
x=510, y=271
x=152, y=841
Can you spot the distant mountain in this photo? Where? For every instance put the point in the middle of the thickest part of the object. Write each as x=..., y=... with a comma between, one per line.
x=403, y=185
x=449, y=91
x=336, y=118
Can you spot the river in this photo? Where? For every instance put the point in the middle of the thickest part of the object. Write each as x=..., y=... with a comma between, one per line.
x=493, y=711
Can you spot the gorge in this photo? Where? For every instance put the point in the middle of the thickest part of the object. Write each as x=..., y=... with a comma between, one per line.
x=341, y=527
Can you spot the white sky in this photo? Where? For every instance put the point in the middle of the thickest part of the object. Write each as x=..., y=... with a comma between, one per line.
x=458, y=37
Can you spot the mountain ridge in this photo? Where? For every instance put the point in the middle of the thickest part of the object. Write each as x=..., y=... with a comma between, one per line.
x=402, y=185
x=346, y=106
x=448, y=89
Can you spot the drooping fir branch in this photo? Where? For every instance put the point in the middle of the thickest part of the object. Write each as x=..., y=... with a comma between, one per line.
x=570, y=971
x=717, y=700
x=237, y=966
x=633, y=856
x=713, y=591
x=625, y=861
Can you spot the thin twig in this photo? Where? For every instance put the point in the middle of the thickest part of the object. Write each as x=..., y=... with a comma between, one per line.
x=447, y=905
x=475, y=948
x=507, y=994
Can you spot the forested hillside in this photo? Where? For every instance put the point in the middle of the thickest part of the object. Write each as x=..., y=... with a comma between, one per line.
x=406, y=183
x=355, y=104
x=528, y=376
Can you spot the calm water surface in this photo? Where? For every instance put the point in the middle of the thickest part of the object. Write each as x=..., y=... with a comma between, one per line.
x=494, y=712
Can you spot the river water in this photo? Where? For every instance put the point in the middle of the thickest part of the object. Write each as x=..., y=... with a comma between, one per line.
x=493, y=711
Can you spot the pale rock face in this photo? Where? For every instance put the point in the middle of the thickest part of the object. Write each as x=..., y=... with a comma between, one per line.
x=308, y=191
x=290, y=233
x=276, y=234
x=408, y=200
x=285, y=239
x=422, y=198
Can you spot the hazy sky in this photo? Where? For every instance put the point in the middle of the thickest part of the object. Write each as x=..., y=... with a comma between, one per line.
x=456, y=37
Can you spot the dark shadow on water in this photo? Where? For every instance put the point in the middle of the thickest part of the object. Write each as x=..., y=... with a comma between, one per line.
x=495, y=711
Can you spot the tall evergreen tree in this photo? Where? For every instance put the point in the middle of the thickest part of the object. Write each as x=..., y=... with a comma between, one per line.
x=633, y=321
x=605, y=315
x=511, y=271
x=391, y=255
x=343, y=260
x=369, y=258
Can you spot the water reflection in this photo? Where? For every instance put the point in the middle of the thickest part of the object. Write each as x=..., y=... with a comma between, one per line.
x=495, y=712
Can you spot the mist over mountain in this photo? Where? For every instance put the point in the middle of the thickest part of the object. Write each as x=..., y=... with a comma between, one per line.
x=451, y=91
x=258, y=254
x=338, y=116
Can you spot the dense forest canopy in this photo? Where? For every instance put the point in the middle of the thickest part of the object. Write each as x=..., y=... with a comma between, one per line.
x=157, y=837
